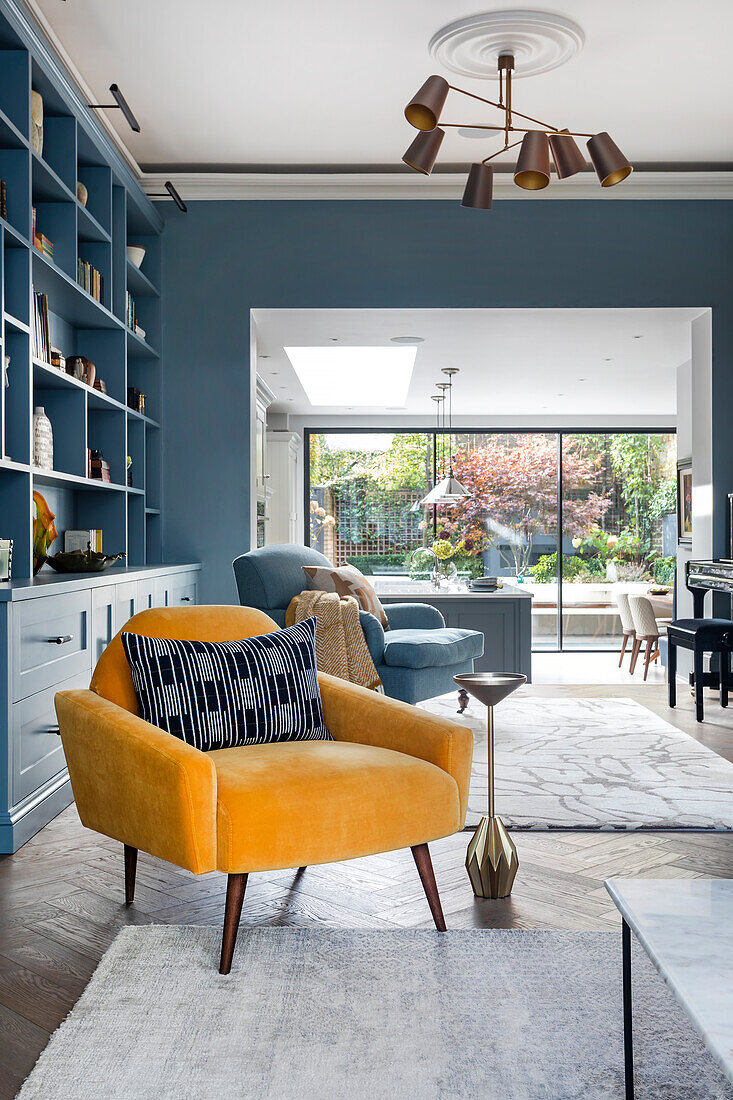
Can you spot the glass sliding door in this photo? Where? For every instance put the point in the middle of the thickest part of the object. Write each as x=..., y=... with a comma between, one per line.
x=510, y=517
x=364, y=498
x=609, y=498
x=619, y=529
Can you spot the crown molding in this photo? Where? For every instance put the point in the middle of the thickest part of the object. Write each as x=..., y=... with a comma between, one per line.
x=386, y=185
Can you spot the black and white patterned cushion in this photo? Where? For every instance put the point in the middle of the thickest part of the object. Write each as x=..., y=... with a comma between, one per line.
x=215, y=695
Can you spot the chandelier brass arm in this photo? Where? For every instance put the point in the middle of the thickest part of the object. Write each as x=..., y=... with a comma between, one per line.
x=533, y=165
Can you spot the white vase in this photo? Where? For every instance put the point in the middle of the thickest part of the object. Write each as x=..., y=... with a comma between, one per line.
x=42, y=439
x=37, y=122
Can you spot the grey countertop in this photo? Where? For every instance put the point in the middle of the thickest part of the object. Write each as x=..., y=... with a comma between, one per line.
x=390, y=588
x=47, y=583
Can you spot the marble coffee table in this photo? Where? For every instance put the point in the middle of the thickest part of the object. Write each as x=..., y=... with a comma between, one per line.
x=686, y=929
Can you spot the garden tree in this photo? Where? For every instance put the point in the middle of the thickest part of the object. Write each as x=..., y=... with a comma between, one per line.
x=408, y=464
x=642, y=463
x=512, y=482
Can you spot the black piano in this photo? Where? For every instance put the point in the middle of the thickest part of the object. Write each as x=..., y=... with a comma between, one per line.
x=702, y=577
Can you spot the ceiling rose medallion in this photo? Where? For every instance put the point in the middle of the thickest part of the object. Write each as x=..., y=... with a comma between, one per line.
x=493, y=45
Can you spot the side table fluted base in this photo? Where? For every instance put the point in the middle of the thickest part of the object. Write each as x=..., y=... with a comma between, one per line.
x=491, y=860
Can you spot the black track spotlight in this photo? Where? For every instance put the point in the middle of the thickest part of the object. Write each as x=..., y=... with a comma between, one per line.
x=172, y=193
x=120, y=103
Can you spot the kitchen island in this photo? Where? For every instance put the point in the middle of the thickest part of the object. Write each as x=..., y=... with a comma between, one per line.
x=504, y=617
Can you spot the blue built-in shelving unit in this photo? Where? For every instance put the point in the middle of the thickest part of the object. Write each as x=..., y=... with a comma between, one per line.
x=117, y=213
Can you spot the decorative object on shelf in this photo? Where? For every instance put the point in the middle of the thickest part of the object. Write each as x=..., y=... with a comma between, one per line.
x=82, y=540
x=83, y=561
x=98, y=467
x=6, y=371
x=42, y=439
x=136, y=400
x=684, y=502
x=37, y=122
x=135, y=254
x=128, y=467
x=542, y=40
x=76, y=367
x=100, y=384
x=44, y=531
x=448, y=490
x=3, y=201
x=81, y=192
x=58, y=360
x=6, y=559
x=81, y=368
x=491, y=860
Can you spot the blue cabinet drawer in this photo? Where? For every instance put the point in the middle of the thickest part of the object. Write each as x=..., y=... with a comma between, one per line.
x=51, y=641
x=37, y=753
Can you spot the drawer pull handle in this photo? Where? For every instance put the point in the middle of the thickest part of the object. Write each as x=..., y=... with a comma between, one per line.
x=185, y=599
x=61, y=639
x=54, y=729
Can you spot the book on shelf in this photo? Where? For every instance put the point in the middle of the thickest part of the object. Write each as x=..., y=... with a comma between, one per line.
x=40, y=329
x=130, y=312
x=80, y=540
x=90, y=279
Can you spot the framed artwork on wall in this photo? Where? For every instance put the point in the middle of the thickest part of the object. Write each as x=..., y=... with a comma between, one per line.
x=684, y=502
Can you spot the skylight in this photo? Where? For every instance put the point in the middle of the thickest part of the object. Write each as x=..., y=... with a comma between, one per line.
x=355, y=376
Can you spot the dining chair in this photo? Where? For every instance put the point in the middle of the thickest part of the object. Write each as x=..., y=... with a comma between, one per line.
x=627, y=625
x=647, y=629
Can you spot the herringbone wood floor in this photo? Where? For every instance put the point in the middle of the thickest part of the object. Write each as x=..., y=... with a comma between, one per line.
x=61, y=895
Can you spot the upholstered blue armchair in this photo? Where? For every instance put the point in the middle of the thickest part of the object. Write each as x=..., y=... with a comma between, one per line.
x=416, y=658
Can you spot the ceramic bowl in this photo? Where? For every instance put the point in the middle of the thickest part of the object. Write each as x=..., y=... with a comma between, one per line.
x=135, y=254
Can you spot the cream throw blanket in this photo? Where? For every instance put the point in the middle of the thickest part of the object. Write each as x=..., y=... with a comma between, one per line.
x=341, y=648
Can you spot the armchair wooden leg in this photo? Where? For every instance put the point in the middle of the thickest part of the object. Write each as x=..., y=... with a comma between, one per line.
x=424, y=865
x=624, y=643
x=236, y=885
x=462, y=700
x=130, y=870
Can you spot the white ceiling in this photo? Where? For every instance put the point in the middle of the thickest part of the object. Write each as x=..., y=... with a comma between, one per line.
x=247, y=83
x=562, y=363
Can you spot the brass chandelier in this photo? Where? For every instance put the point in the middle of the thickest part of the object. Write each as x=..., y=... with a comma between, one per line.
x=532, y=171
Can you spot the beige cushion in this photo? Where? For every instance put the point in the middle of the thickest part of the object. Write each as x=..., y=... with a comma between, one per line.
x=347, y=581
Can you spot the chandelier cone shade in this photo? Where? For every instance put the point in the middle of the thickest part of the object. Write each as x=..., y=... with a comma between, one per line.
x=609, y=162
x=423, y=110
x=566, y=155
x=533, y=167
x=535, y=138
x=479, y=187
x=447, y=491
x=424, y=150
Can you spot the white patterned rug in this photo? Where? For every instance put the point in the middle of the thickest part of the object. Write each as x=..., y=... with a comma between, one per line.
x=593, y=764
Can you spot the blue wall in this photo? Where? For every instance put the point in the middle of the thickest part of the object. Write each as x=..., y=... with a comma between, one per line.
x=223, y=258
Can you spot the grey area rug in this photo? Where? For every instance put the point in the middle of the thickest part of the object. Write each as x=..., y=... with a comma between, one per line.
x=593, y=764
x=308, y=1014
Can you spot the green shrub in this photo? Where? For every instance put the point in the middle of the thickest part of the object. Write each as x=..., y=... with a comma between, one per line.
x=544, y=571
x=664, y=570
x=365, y=562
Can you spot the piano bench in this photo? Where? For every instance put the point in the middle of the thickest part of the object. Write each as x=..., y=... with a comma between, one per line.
x=701, y=636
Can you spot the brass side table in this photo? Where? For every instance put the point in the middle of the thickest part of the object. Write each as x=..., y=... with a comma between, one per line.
x=491, y=860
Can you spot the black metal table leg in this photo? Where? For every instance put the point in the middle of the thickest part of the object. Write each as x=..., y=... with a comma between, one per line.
x=628, y=1027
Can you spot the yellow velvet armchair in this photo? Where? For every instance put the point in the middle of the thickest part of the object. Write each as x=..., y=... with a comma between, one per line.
x=393, y=777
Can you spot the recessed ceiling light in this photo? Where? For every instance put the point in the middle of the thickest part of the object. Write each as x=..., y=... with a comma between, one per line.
x=609, y=359
x=581, y=379
x=264, y=357
x=364, y=376
x=640, y=337
x=407, y=339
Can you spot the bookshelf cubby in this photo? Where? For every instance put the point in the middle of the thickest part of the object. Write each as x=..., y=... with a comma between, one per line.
x=115, y=215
